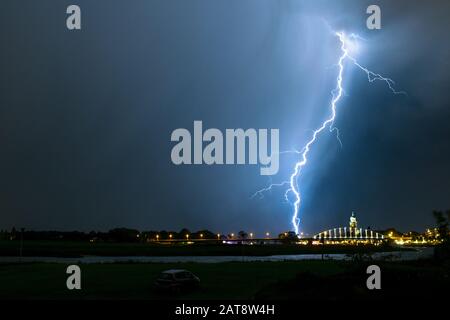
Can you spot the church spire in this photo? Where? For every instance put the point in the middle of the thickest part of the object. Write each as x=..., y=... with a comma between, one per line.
x=353, y=222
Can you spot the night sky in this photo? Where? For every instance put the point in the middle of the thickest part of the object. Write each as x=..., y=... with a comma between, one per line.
x=86, y=116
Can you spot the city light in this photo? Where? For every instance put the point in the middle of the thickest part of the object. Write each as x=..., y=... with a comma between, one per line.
x=352, y=234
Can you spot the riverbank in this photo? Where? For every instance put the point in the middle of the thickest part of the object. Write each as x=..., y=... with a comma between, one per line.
x=404, y=255
x=80, y=249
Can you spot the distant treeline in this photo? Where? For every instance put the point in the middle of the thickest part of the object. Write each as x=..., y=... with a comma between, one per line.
x=124, y=235
x=114, y=235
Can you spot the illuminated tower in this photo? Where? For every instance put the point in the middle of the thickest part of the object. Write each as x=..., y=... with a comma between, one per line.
x=354, y=224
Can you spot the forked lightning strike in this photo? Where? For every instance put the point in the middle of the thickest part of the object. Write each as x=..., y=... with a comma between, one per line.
x=337, y=93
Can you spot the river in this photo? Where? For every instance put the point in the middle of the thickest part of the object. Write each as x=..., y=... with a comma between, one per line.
x=417, y=253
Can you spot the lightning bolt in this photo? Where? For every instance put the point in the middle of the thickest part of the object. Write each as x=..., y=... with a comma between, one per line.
x=337, y=93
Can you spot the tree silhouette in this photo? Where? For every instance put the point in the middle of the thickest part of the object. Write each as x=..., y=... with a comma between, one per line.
x=242, y=234
x=442, y=251
x=442, y=223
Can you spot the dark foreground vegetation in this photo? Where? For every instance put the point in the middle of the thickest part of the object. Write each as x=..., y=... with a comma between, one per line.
x=305, y=280
x=401, y=281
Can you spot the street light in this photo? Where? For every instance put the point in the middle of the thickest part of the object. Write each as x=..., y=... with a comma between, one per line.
x=267, y=234
x=187, y=236
x=251, y=234
x=201, y=235
x=157, y=237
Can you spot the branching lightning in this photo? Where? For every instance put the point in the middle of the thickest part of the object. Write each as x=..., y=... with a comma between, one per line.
x=346, y=42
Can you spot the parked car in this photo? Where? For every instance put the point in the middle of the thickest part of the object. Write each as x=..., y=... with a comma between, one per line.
x=176, y=280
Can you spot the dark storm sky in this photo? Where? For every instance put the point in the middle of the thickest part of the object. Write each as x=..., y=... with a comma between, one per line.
x=86, y=116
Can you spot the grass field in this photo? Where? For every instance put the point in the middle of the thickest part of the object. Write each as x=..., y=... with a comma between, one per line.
x=134, y=281
x=234, y=280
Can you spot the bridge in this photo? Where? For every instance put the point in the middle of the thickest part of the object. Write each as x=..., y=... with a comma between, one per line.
x=351, y=233
x=348, y=233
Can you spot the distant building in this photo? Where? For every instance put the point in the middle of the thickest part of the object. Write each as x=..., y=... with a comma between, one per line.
x=353, y=224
